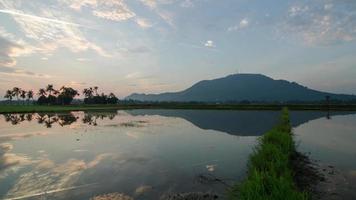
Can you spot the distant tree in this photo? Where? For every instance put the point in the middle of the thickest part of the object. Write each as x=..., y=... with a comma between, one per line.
x=42, y=99
x=16, y=92
x=51, y=99
x=103, y=99
x=50, y=89
x=67, y=95
x=112, y=99
x=23, y=95
x=96, y=90
x=8, y=95
x=88, y=93
x=29, y=95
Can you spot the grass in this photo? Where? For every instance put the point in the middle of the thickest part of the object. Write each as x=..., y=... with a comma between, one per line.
x=59, y=108
x=270, y=174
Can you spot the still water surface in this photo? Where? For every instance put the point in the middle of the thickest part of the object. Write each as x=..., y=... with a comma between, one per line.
x=144, y=154
x=332, y=143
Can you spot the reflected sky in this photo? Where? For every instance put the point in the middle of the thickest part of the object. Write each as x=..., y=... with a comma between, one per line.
x=332, y=141
x=137, y=154
x=86, y=155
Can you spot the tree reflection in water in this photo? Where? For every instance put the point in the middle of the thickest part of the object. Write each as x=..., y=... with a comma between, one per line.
x=62, y=119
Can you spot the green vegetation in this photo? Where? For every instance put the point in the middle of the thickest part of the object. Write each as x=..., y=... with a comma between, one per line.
x=270, y=174
x=63, y=96
x=83, y=107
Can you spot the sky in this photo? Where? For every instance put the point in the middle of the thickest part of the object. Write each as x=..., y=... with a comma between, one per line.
x=153, y=46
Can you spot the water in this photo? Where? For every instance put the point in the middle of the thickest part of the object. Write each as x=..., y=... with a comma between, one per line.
x=137, y=154
x=332, y=143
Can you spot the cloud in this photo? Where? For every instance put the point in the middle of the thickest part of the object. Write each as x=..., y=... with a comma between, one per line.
x=143, y=23
x=112, y=196
x=75, y=83
x=139, y=75
x=45, y=32
x=115, y=10
x=7, y=49
x=150, y=3
x=83, y=59
x=209, y=44
x=187, y=4
x=141, y=190
x=243, y=24
x=163, y=14
x=21, y=72
x=78, y=4
x=10, y=50
x=8, y=160
x=49, y=176
x=321, y=22
x=167, y=17
x=120, y=14
x=37, y=18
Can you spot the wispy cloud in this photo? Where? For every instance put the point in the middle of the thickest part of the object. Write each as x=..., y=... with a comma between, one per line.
x=115, y=10
x=37, y=18
x=21, y=72
x=10, y=50
x=187, y=4
x=243, y=24
x=143, y=23
x=321, y=22
x=202, y=47
x=45, y=32
x=210, y=44
x=165, y=15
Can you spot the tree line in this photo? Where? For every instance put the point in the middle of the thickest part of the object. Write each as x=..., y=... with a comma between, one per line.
x=63, y=96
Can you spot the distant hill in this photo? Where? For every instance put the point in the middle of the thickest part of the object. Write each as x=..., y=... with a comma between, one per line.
x=241, y=87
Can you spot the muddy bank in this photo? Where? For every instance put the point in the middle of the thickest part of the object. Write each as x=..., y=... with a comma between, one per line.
x=322, y=182
x=307, y=174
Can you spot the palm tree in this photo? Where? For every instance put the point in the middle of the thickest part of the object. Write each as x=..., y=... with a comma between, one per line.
x=96, y=90
x=8, y=95
x=112, y=99
x=16, y=92
x=29, y=95
x=42, y=99
x=88, y=92
x=66, y=95
x=42, y=92
x=23, y=95
x=50, y=89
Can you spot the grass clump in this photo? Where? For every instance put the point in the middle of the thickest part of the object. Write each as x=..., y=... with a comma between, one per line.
x=270, y=175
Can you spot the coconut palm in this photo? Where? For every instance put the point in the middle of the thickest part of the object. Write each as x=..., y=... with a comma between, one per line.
x=50, y=89
x=112, y=99
x=29, y=95
x=96, y=90
x=16, y=92
x=88, y=92
x=42, y=99
x=23, y=95
x=8, y=95
x=66, y=95
x=42, y=92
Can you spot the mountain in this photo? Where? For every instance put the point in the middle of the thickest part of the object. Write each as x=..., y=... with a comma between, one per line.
x=236, y=122
x=241, y=87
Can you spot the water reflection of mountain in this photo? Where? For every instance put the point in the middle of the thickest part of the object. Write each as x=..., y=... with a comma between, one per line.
x=242, y=123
